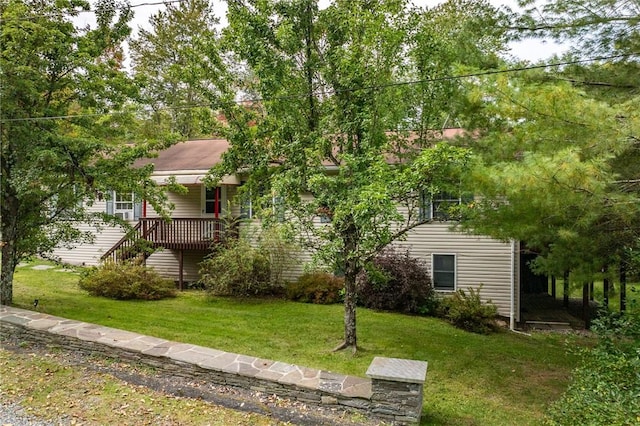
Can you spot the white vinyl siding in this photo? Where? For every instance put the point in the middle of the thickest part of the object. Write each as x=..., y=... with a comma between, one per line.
x=89, y=253
x=166, y=263
x=185, y=205
x=479, y=260
x=189, y=205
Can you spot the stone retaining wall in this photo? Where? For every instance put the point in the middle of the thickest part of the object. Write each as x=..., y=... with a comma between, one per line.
x=393, y=391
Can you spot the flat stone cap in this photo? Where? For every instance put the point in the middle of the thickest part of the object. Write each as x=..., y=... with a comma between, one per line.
x=398, y=370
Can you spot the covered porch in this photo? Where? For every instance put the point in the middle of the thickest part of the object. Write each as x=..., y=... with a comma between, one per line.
x=178, y=234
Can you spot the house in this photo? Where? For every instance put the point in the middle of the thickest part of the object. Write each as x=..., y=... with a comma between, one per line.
x=456, y=260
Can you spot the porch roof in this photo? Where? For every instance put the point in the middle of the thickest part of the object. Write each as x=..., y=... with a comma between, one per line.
x=188, y=161
x=188, y=156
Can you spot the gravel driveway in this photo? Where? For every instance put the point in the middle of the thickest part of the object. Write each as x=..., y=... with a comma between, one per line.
x=14, y=415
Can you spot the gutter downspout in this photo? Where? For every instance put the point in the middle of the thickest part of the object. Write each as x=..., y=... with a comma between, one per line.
x=512, y=311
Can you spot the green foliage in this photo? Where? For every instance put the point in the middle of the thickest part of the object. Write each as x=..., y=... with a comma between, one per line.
x=329, y=80
x=494, y=366
x=176, y=65
x=396, y=282
x=558, y=170
x=237, y=269
x=61, y=149
x=605, y=388
x=590, y=27
x=316, y=287
x=126, y=281
x=562, y=158
x=467, y=311
x=282, y=251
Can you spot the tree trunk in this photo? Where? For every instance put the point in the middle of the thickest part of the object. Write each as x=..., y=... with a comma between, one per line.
x=350, y=339
x=623, y=286
x=565, y=289
x=586, y=313
x=351, y=269
x=605, y=288
x=9, y=209
x=7, y=269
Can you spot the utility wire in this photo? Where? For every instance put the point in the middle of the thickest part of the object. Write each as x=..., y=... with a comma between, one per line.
x=73, y=13
x=347, y=90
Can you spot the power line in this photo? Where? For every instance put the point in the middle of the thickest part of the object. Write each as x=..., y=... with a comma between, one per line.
x=73, y=13
x=347, y=90
x=484, y=73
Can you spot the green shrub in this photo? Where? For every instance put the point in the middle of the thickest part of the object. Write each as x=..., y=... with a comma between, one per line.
x=316, y=287
x=466, y=310
x=282, y=251
x=605, y=387
x=237, y=269
x=396, y=282
x=126, y=280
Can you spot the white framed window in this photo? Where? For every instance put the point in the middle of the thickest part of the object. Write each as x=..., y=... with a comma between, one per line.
x=246, y=208
x=443, y=272
x=277, y=204
x=439, y=206
x=123, y=205
x=246, y=204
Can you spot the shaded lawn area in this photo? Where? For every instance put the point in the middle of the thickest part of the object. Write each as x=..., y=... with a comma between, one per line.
x=575, y=292
x=500, y=379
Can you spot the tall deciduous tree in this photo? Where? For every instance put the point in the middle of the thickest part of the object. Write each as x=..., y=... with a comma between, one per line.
x=177, y=65
x=59, y=144
x=329, y=132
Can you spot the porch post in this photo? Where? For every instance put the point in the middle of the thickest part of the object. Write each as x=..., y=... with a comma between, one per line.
x=623, y=286
x=181, y=269
x=586, y=314
x=565, y=289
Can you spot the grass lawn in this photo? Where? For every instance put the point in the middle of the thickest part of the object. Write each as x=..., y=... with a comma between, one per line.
x=500, y=379
x=575, y=292
x=55, y=390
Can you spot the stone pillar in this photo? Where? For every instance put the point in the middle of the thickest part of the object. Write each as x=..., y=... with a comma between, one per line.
x=397, y=389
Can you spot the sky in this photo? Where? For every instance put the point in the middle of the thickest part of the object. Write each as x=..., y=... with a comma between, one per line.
x=531, y=50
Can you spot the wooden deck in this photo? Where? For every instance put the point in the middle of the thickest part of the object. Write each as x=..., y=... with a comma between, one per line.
x=176, y=234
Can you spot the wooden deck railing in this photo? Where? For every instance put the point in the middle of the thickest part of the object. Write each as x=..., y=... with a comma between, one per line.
x=177, y=234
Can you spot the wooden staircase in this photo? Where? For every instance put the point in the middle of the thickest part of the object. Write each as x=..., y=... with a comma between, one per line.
x=179, y=234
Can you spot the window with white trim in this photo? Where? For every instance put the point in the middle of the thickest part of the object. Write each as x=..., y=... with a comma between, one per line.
x=277, y=204
x=123, y=206
x=246, y=208
x=439, y=206
x=443, y=268
x=246, y=204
